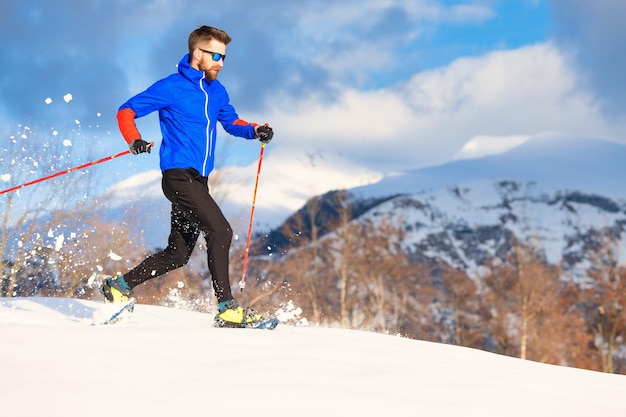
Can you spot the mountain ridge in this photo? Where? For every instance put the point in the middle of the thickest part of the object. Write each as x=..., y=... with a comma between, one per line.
x=582, y=164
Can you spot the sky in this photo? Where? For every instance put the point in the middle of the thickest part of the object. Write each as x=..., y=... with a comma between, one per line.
x=169, y=362
x=355, y=90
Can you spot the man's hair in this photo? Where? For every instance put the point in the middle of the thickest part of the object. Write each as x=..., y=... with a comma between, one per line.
x=205, y=34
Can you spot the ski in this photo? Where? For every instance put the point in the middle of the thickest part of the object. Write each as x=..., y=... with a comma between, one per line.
x=120, y=314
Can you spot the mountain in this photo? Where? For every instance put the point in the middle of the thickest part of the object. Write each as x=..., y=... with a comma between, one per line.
x=167, y=362
x=558, y=192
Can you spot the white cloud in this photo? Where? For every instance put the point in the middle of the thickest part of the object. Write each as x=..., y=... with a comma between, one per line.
x=428, y=119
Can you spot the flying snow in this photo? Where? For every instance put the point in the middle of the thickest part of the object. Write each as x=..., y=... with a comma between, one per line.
x=68, y=97
x=58, y=242
x=48, y=100
x=114, y=256
x=5, y=177
x=67, y=142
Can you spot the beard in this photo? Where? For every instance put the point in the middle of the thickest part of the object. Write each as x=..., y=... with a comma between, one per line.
x=211, y=73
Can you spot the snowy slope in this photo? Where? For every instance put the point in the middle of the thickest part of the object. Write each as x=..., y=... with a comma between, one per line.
x=167, y=362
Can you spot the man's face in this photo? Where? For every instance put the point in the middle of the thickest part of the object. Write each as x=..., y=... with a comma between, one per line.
x=207, y=63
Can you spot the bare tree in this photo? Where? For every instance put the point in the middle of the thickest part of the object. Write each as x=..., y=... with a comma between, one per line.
x=499, y=286
x=382, y=266
x=346, y=251
x=605, y=299
x=303, y=268
x=460, y=296
x=536, y=290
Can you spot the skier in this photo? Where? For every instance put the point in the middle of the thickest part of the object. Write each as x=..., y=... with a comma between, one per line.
x=189, y=102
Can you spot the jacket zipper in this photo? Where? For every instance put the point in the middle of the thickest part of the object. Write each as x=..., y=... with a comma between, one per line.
x=209, y=144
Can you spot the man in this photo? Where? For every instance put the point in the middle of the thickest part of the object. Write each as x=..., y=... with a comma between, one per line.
x=190, y=103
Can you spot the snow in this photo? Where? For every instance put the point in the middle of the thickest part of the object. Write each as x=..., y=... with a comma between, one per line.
x=114, y=256
x=68, y=97
x=58, y=242
x=170, y=362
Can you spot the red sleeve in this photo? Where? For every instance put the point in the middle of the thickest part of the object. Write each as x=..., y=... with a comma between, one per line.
x=241, y=122
x=126, y=123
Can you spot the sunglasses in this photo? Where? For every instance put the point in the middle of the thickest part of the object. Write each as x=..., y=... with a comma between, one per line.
x=215, y=56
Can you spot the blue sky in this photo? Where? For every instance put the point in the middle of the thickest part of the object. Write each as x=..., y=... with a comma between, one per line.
x=355, y=90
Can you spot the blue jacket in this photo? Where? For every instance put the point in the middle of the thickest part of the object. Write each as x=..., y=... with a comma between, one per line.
x=189, y=108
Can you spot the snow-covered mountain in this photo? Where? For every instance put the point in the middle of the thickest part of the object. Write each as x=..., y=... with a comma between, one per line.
x=554, y=191
x=469, y=224
x=170, y=362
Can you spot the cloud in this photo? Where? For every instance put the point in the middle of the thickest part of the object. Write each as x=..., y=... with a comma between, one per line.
x=592, y=33
x=429, y=118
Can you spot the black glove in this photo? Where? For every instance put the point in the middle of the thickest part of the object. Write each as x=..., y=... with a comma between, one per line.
x=139, y=146
x=264, y=133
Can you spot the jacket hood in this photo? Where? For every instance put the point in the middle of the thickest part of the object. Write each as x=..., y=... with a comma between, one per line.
x=188, y=71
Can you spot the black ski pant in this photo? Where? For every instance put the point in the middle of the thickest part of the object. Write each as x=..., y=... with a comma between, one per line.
x=193, y=211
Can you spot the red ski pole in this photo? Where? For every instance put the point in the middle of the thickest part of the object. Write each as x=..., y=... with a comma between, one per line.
x=67, y=171
x=242, y=283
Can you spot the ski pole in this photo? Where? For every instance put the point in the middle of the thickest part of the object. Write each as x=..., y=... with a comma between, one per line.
x=67, y=171
x=242, y=283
